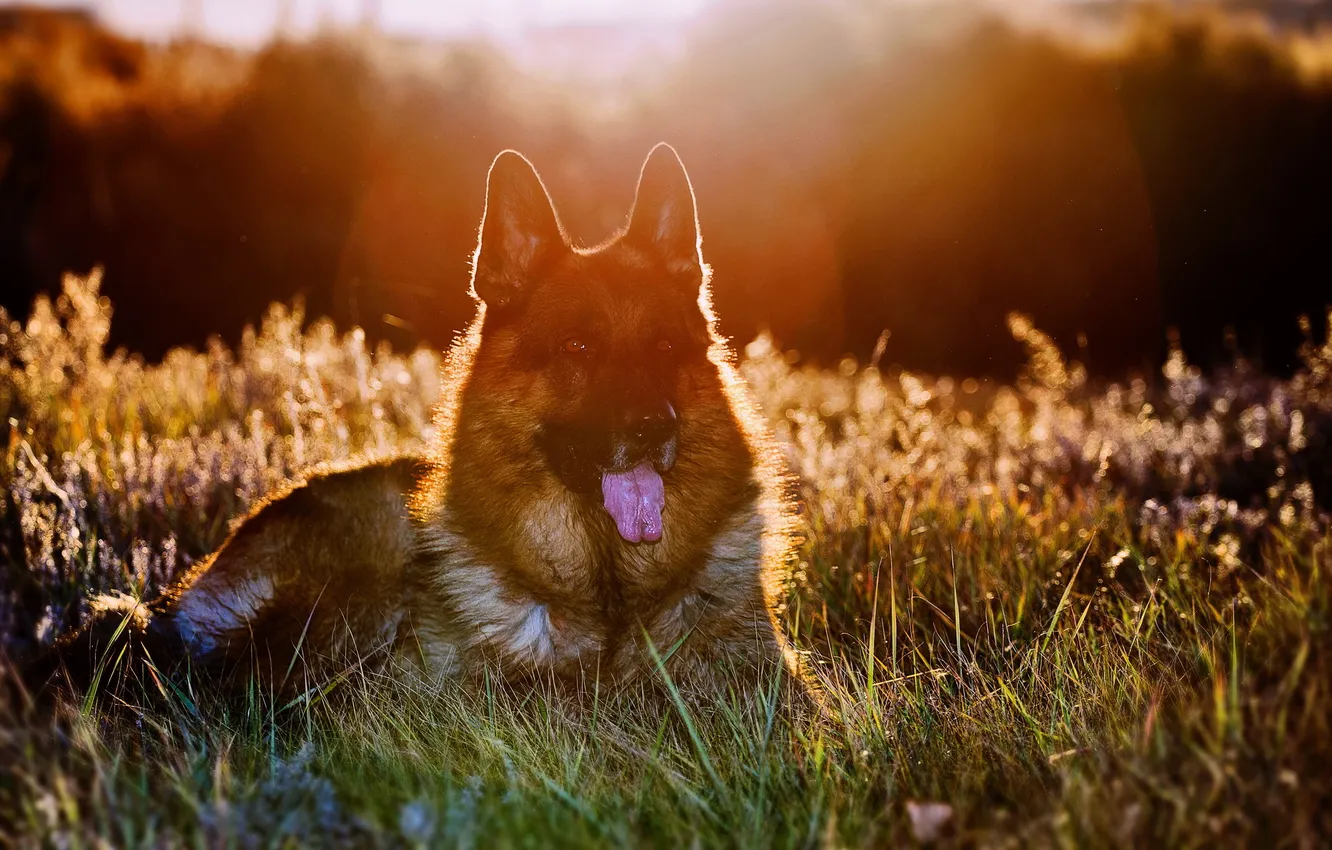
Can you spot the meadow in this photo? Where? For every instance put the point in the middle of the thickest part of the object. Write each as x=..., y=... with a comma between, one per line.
x=1056, y=613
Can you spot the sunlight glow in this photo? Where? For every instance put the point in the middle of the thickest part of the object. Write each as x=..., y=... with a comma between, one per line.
x=255, y=21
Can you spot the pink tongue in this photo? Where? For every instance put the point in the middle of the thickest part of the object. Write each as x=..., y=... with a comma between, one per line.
x=635, y=499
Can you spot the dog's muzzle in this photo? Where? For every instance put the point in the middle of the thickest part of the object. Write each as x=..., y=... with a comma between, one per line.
x=625, y=462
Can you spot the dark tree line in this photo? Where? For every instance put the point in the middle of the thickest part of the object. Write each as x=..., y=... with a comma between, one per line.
x=901, y=171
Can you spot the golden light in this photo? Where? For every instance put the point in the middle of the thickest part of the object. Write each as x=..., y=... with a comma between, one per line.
x=253, y=22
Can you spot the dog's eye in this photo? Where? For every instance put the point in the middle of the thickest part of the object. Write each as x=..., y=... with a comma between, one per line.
x=574, y=345
x=665, y=346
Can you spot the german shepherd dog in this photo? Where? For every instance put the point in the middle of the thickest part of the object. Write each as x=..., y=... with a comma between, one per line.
x=604, y=501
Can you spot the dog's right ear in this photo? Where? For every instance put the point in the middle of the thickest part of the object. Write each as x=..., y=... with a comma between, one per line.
x=519, y=230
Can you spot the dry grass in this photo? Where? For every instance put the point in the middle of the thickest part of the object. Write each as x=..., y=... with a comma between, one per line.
x=1073, y=615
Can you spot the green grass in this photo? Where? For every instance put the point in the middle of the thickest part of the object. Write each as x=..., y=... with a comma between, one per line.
x=1076, y=615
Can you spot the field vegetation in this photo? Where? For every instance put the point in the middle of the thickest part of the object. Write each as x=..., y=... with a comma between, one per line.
x=1061, y=612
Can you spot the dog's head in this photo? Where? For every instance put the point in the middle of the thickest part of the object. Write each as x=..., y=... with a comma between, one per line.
x=608, y=346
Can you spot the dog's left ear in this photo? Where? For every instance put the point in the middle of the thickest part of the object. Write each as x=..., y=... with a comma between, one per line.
x=664, y=219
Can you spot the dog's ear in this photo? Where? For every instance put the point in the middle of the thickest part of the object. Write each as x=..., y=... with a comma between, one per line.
x=664, y=219
x=519, y=230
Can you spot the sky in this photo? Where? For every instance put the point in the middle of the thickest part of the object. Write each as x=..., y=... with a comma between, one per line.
x=254, y=21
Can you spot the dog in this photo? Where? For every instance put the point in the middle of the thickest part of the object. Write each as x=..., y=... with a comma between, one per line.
x=604, y=503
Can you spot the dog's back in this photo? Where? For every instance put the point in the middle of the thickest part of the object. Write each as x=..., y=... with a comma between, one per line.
x=308, y=585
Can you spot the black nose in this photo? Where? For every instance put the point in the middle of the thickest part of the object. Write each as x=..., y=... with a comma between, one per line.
x=649, y=425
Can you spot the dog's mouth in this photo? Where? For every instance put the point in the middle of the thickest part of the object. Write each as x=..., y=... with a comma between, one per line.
x=636, y=497
x=635, y=500
x=627, y=473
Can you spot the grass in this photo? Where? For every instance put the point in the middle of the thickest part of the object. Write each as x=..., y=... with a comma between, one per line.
x=1051, y=614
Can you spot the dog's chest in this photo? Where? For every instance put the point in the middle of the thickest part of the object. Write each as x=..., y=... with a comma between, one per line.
x=568, y=593
x=557, y=548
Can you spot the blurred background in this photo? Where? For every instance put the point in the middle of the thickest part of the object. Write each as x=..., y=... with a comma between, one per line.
x=875, y=177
